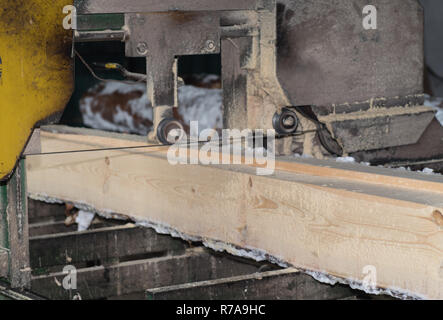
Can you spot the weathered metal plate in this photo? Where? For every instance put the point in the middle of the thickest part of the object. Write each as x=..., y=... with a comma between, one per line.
x=326, y=57
x=133, y=6
x=100, y=22
x=170, y=35
x=175, y=33
x=378, y=129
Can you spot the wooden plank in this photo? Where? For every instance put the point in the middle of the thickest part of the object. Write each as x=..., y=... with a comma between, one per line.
x=378, y=176
x=99, y=245
x=286, y=284
x=136, y=276
x=322, y=221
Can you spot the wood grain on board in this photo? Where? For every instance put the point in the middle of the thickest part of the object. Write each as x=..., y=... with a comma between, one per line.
x=332, y=218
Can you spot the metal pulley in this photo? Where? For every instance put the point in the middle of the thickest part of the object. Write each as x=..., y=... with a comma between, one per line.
x=165, y=127
x=285, y=122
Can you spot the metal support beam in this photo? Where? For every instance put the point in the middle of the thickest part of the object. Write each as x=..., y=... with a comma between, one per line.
x=14, y=230
x=118, y=6
x=129, y=277
x=287, y=284
x=100, y=245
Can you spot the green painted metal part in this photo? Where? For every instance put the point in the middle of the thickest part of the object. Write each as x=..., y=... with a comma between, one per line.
x=97, y=22
x=4, y=232
x=14, y=231
x=4, y=236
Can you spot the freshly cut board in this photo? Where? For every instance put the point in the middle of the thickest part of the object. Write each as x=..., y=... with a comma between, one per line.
x=338, y=222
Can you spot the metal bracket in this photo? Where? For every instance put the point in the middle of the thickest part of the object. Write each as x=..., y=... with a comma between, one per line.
x=160, y=38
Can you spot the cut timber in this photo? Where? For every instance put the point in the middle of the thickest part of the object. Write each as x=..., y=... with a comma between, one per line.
x=331, y=218
x=287, y=284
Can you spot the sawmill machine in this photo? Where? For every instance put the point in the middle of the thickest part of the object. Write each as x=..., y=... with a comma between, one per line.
x=297, y=66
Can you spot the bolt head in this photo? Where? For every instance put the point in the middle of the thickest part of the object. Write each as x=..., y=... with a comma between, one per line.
x=210, y=45
x=142, y=48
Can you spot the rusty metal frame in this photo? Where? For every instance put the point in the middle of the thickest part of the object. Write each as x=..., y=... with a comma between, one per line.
x=134, y=6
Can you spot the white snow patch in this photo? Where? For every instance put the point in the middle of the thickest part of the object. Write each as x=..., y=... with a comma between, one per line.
x=84, y=220
x=303, y=156
x=437, y=104
x=428, y=171
x=346, y=159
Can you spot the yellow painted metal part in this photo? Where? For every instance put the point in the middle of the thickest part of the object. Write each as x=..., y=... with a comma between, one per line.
x=111, y=66
x=36, y=78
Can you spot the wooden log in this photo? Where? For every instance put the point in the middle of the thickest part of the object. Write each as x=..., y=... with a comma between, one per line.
x=333, y=219
x=137, y=276
x=286, y=284
x=103, y=245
